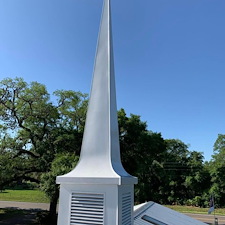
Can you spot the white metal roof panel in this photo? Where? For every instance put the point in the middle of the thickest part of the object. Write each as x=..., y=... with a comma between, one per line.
x=161, y=215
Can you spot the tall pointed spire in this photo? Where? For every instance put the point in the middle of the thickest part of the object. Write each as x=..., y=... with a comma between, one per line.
x=100, y=152
x=99, y=190
x=101, y=138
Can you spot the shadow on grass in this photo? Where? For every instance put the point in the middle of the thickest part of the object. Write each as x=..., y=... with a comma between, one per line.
x=10, y=212
x=16, y=216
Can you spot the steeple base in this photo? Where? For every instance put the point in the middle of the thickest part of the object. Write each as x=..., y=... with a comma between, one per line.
x=96, y=204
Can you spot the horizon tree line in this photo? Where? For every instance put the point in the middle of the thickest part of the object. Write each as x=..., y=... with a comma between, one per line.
x=41, y=139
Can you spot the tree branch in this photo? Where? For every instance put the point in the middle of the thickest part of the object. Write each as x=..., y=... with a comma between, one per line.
x=22, y=151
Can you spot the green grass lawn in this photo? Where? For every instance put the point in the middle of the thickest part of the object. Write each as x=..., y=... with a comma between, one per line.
x=38, y=196
x=192, y=209
x=23, y=196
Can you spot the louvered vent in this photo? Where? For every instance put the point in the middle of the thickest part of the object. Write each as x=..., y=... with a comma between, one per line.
x=126, y=209
x=87, y=208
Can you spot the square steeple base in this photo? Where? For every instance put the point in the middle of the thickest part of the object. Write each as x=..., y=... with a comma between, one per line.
x=96, y=204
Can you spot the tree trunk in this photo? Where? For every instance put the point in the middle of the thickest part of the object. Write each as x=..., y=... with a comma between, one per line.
x=53, y=208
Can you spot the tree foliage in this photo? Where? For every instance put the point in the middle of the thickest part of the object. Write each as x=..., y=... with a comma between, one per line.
x=217, y=170
x=34, y=130
x=62, y=164
x=186, y=174
x=40, y=139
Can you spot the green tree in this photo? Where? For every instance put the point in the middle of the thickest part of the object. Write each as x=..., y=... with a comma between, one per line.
x=36, y=130
x=62, y=164
x=186, y=177
x=198, y=179
x=217, y=170
x=142, y=154
x=176, y=169
x=40, y=139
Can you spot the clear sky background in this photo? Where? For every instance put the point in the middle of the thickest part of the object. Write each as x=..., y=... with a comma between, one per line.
x=169, y=58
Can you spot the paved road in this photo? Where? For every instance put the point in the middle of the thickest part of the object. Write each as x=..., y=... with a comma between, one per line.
x=207, y=218
x=24, y=205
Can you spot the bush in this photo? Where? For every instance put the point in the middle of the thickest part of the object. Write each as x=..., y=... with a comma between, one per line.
x=198, y=201
x=188, y=202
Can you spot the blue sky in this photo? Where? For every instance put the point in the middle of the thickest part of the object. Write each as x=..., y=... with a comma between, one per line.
x=169, y=57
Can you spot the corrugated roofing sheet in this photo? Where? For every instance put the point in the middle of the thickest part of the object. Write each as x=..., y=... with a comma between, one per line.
x=152, y=213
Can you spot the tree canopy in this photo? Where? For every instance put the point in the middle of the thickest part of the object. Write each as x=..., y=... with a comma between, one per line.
x=34, y=130
x=41, y=138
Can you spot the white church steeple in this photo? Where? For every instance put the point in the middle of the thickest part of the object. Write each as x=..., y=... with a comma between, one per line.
x=99, y=178
x=100, y=152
